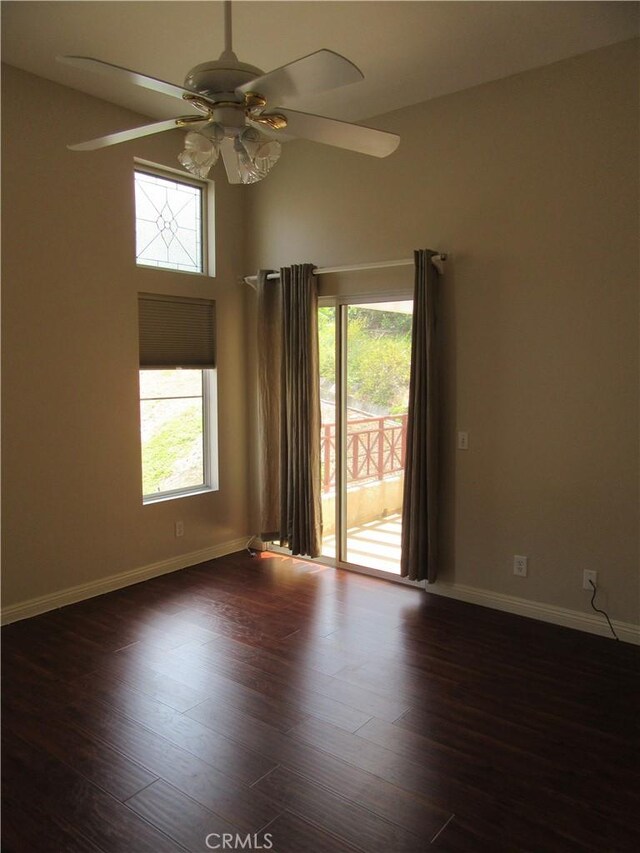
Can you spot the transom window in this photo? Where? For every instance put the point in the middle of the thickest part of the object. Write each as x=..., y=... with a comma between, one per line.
x=170, y=215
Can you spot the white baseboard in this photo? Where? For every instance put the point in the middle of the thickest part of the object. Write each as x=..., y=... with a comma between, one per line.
x=592, y=623
x=44, y=603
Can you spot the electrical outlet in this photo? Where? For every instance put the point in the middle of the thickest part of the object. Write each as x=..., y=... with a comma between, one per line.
x=589, y=576
x=463, y=440
x=520, y=565
x=179, y=528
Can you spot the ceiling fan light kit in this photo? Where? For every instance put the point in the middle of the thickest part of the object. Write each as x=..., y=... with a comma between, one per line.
x=236, y=119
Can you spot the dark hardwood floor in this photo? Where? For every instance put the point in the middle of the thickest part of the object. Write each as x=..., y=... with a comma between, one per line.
x=314, y=710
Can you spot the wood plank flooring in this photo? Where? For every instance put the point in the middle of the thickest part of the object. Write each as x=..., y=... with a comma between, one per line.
x=313, y=710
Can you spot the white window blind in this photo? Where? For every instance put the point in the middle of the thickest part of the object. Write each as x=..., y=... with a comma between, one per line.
x=176, y=331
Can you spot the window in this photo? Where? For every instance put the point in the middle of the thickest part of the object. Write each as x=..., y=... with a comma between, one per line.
x=178, y=396
x=175, y=421
x=170, y=222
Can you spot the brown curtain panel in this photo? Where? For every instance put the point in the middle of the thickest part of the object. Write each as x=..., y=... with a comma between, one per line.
x=300, y=497
x=419, y=509
x=289, y=410
x=269, y=401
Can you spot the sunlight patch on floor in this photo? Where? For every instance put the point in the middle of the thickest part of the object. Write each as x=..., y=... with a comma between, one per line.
x=375, y=544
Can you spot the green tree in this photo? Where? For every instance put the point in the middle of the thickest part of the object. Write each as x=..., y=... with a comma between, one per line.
x=379, y=355
x=327, y=343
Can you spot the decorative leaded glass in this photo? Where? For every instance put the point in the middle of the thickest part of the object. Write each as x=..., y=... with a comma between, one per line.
x=168, y=223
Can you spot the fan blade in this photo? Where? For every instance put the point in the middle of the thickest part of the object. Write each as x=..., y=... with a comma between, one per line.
x=230, y=159
x=342, y=134
x=124, y=74
x=316, y=72
x=127, y=135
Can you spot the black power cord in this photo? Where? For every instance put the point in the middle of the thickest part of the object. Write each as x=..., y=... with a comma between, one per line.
x=597, y=609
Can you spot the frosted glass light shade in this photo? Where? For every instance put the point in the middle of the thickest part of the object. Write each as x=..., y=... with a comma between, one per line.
x=256, y=155
x=200, y=154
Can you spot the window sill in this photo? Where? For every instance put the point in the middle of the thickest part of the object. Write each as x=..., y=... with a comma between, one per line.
x=197, y=273
x=172, y=496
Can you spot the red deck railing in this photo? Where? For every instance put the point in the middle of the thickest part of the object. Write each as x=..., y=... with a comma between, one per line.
x=375, y=449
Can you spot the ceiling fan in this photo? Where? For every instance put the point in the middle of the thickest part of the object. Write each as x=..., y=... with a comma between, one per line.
x=243, y=113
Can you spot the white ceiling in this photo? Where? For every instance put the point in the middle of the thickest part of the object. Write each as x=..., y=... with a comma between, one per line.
x=408, y=51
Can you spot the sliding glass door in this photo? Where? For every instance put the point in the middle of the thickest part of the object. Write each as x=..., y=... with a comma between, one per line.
x=365, y=352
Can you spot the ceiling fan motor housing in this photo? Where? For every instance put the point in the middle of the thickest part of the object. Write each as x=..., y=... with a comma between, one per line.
x=219, y=78
x=231, y=119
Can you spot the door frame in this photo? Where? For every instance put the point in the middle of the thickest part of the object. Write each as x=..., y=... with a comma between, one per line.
x=341, y=303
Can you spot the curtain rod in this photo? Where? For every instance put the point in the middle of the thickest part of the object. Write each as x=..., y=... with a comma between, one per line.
x=436, y=260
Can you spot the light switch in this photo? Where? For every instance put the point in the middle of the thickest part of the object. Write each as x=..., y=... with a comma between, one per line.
x=463, y=440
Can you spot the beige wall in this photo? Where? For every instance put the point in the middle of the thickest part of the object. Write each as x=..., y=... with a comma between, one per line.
x=532, y=184
x=72, y=508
